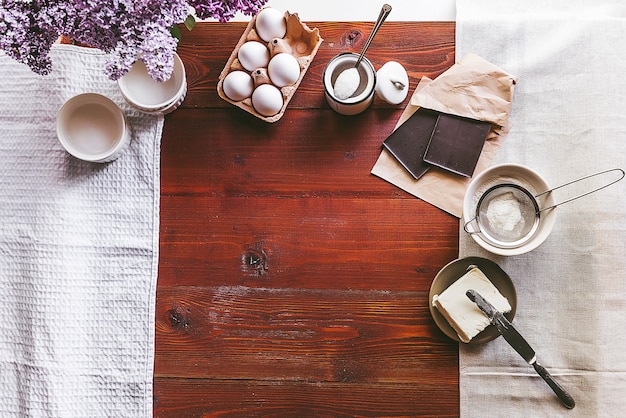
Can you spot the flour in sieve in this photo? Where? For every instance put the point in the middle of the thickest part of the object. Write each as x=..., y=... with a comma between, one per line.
x=480, y=191
x=509, y=218
x=504, y=214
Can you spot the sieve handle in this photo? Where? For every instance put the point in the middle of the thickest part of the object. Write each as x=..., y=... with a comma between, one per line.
x=466, y=225
x=580, y=179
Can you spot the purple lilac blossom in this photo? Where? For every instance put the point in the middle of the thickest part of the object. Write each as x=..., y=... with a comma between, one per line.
x=125, y=29
x=22, y=38
x=224, y=10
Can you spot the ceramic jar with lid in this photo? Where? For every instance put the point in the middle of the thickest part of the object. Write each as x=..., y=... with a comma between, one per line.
x=390, y=83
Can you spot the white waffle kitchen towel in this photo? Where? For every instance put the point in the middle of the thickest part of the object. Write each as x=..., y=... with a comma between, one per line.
x=78, y=252
x=568, y=119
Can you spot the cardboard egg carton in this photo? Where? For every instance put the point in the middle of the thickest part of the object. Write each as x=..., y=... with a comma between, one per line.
x=299, y=40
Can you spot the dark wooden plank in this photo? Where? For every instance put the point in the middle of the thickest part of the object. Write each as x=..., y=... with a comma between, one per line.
x=319, y=242
x=246, y=398
x=229, y=152
x=355, y=336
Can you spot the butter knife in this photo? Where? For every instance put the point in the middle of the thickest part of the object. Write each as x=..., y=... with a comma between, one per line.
x=520, y=345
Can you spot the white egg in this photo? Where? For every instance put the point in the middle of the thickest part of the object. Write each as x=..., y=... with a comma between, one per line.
x=270, y=24
x=253, y=55
x=238, y=85
x=283, y=69
x=267, y=100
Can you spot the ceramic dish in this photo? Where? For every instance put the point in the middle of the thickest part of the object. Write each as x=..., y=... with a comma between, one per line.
x=147, y=95
x=92, y=128
x=509, y=174
x=454, y=271
x=168, y=109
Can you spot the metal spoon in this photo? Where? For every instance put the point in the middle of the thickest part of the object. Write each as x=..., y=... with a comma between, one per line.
x=384, y=12
x=348, y=81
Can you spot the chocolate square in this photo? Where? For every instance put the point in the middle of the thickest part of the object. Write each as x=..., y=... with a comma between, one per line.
x=410, y=140
x=456, y=143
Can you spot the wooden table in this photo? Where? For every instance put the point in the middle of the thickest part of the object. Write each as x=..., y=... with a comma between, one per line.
x=292, y=282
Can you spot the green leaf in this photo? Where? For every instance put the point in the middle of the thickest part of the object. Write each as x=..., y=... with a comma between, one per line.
x=190, y=22
x=175, y=31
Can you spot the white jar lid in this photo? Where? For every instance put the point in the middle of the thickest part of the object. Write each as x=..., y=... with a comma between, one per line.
x=392, y=82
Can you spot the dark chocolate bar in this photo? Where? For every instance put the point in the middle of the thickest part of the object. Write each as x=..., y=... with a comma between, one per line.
x=410, y=140
x=456, y=143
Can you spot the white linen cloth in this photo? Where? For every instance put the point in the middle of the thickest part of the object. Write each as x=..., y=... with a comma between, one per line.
x=568, y=119
x=78, y=252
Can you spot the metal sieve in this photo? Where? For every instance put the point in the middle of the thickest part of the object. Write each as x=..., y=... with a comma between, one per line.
x=508, y=215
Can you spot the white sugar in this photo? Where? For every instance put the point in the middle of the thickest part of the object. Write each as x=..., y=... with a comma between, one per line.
x=347, y=83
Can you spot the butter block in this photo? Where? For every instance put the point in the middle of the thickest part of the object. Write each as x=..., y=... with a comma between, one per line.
x=464, y=315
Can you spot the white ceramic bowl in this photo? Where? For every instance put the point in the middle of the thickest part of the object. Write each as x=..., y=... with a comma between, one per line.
x=93, y=128
x=167, y=109
x=147, y=95
x=521, y=176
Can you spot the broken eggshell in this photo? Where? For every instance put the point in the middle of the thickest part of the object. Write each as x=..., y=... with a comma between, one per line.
x=299, y=40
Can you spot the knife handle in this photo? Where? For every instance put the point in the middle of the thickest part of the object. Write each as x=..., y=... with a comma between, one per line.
x=565, y=397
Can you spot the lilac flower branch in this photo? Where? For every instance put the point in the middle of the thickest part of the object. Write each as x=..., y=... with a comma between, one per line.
x=125, y=29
